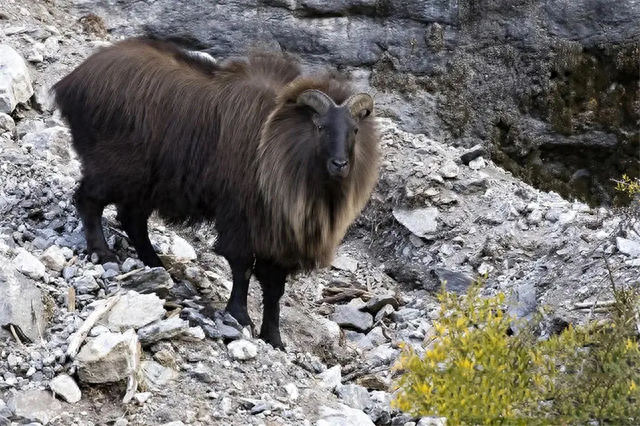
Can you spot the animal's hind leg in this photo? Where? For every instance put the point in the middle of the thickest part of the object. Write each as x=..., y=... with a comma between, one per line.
x=134, y=222
x=272, y=279
x=90, y=205
x=241, y=269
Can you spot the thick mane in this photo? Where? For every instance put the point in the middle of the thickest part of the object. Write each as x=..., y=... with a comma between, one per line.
x=308, y=213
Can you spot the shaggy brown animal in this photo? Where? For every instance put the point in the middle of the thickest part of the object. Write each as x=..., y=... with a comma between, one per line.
x=281, y=163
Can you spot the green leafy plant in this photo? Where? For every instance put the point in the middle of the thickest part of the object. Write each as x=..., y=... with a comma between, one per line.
x=476, y=372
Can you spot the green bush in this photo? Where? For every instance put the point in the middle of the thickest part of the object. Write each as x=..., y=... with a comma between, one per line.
x=475, y=372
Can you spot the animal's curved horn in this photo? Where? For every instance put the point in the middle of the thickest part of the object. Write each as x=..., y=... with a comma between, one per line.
x=358, y=104
x=316, y=100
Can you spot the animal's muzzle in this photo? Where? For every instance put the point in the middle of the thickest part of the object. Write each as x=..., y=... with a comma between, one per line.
x=338, y=167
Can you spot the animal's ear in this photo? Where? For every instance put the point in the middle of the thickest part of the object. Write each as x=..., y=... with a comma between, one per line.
x=360, y=105
x=317, y=100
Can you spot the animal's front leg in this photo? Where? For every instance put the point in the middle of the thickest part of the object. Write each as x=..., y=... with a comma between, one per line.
x=272, y=279
x=241, y=269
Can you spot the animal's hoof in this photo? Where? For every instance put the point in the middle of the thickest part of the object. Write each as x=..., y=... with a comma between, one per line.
x=102, y=257
x=273, y=339
x=242, y=316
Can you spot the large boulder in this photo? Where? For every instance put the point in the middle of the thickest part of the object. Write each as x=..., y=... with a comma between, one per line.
x=20, y=304
x=15, y=84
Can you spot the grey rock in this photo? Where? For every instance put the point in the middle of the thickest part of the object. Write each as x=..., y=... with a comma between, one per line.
x=85, y=284
x=384, y=354
x=432, y=421
x=182, y=249
x=135, y=310
x=66, y=387
x=523, y=302
x=472, y=153
x=456, y=282
x=342, y=415
x=161, y=330
x=130, y=264
x=354, y=396
x=110, y=357
x=53, y=139
x=20, y=304
x=629, y=247
x=351, y=317
x=345, y=263
x=15, y=83
x=449, y=170
x=421, y=222
x=242, y=350
x=380, y=410
x=34, y=405
x=53, y=258
x=377, y=302
x=477, y=164
x=68, y=272
x=157, y=376
x=28, y=264
x=6, y=122
x=384, y=312
x=331, y=378
x=153, y=280
x=406, y=314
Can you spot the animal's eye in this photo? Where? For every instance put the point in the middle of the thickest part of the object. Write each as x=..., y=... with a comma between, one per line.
x=355, y=131
x=319, y=127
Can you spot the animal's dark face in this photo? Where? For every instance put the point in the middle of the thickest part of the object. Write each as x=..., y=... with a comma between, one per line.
x=336, y=127
x=337, y=133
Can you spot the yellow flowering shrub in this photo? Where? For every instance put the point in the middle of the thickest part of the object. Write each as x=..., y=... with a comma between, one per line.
x=475, y=372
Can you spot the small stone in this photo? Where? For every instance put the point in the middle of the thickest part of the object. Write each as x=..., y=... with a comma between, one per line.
x=28, y=264
x=421, y=222
x=242, y=350
x=351, y=317
x=331, y=378
x=142, y=397
x=193, y=334
x=292, y=391
x=384, y=354
x=629, y=247
x=384, y=312
x=449, y=170
x=69, y=272
x=135, y=310
x=182, y=249
x=534, y=217
x=66, y=387
x=455, y=282
x=85, y=284
x=345, y=263
x=6, y=122
x=406, y=314
x=432, y=421
x=378, y=302
x=153, y=280
x=161, y=330
x=477, y=164
x=53, y=258
x=355, y=396
x=342, y=416
x=157, y=376
x=130, y=264
x=471, y=154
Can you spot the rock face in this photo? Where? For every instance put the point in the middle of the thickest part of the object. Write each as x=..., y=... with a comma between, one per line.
x=15, y=84
x=549, y=86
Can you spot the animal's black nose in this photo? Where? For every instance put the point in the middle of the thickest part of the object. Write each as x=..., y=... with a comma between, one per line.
x=339, y=164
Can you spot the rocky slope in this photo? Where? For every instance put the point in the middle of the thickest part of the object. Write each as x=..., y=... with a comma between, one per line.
x=550, y=88
x=440, y=212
